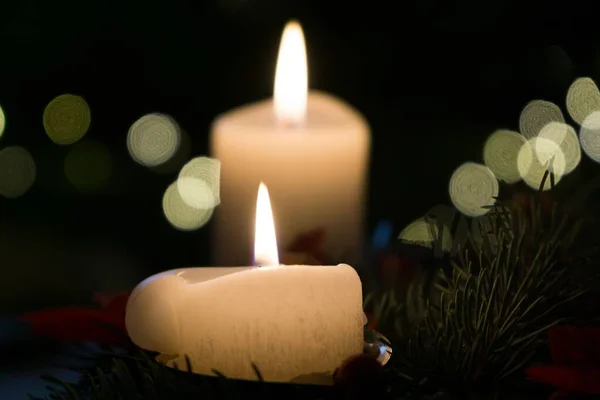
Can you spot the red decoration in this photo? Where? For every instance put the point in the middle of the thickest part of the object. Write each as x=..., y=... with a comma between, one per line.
x=576, y=354
x=114, y=301
x=522, y=200
x=79, y=324
x=310, y=243
x=396, y=269
x=372, y=321
x=361, y=377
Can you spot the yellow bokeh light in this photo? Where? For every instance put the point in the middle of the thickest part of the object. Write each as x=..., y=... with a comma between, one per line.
x=67, y=119
x=199, y=183
x=2, y=121
x=88, y=165
x=153, y=139
x=568, y=142
x=424, y=232
x=583, y=98
x=473, y=187
x=536, y=157
x=17, y=171
x=179, y=214
x=537, y=114
x=589, y=136
x=500, y=154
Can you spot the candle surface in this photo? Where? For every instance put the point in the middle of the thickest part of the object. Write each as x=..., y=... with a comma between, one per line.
x=310, y=148
x=289, y=321
x=316, y=173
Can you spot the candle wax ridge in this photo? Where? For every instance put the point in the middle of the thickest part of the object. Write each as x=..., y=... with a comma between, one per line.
x=288, y=320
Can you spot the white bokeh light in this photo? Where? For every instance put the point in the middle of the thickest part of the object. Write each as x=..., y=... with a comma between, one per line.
x=568, y=142
x=589, y=136
x=536, y=115
x=153, y=139
x=583, y=98
x=199, y=182
x=179, y=214
x=536, y=157
x=500, y=154
x=473, y=187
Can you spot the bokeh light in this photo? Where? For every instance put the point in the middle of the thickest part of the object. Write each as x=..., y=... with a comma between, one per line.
x=424, y=232
x=473, y=187
x=536, y=157
x=17, y=171
x=589, y=136
x=67, y=119
x=181, y=156
x=583, y=98
x=199, y=183
x=566, y=138
x=179, y=214
x=536, y=115
x=88, y=165
x=442, y=213
x=2, y=121
x=500, y=154
x=153, y=139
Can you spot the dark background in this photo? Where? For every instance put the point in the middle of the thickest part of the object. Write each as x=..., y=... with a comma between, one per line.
x=433, y=78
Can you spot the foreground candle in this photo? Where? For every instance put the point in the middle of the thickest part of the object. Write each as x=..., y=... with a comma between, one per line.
x=290, y=321
x=311, y=149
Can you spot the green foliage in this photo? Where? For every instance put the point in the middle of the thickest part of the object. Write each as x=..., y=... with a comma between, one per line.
x=485, y=316
x=139, y=376
x=464, y=330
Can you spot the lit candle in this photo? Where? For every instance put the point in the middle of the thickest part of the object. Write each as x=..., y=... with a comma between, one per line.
x=311, y=149
x=289, y=321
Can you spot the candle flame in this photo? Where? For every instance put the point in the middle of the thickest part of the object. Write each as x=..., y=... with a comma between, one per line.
x=265, y=240
x=291, y=76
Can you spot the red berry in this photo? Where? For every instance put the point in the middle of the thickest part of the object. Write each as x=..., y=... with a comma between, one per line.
x=361, y=377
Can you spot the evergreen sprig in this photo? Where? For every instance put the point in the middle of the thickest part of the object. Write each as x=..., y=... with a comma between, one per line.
x=461, y=333
x=139, y=376
x=485, y=317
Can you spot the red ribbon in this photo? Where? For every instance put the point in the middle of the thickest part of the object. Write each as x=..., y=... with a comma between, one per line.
x=576, y=354
x=79, y=324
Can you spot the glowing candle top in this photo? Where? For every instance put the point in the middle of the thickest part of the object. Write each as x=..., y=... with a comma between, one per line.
x=265, y=239
x=291, y=77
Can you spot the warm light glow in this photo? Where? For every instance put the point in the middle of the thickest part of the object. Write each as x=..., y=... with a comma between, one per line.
x=291, y=76
x=265, y=240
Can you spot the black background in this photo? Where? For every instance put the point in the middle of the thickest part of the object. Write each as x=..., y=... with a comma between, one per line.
x=433, y=77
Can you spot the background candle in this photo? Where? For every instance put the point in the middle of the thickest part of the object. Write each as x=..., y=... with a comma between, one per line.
x=311, y=150
x=290, y=321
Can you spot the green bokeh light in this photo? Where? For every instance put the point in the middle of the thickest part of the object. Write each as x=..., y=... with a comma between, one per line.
x=88, y=166
x=67, y=119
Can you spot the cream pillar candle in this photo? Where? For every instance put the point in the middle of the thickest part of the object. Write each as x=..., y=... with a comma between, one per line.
x=312, y=150
x=289, y=321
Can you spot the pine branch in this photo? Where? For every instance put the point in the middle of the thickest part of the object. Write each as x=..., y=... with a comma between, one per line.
x=488, y=312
